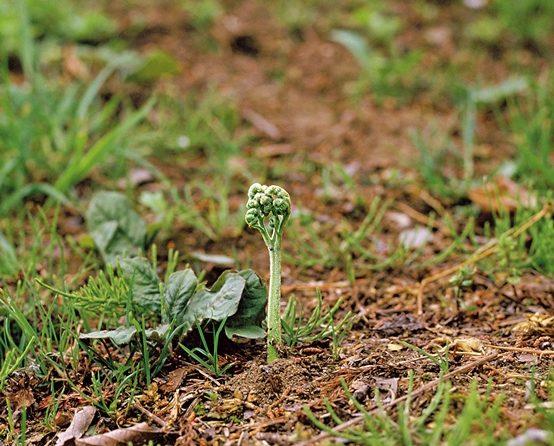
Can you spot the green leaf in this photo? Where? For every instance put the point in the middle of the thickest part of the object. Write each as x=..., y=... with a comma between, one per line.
x=17, y=197
x=158, y=333
x=180, y=287
x=219, y=303
x=119, y=336
x=117, y=230
x=124, y=335
x=79, y=168
x=251, y=311
x=8, y=259
x=354, y=43
x=247, y=332
x=239, y=298
x=144, y=282
x=90, y=26
x=494, y=93
x=155, y=65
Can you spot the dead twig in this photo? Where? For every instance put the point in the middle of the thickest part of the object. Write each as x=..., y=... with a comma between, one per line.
x=532, y=351
x=150, y=415
x=421, y=218
x=262, y=124
x=315, y=286
x=259, y=426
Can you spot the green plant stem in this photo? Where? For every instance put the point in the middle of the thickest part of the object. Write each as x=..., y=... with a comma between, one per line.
x=468, y=135
x=273, y=311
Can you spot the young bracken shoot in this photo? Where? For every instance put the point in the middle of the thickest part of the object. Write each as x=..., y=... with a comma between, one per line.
x=268, y=210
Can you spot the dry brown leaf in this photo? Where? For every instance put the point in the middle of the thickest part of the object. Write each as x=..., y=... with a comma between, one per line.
x=461, y=345
x=501, y=194
x=537, y=324
x=274, y=150
x=262, y=124
x=216, y=259
x=226, y=407
x=399, y=219
x=78, y=427
x=22, y=398
x=139, y=434
x=467, y=345
x=73, y=65
x=531, y=436
x=174, y=379
x=360, y=388
x=416, y=237
x=389, y=387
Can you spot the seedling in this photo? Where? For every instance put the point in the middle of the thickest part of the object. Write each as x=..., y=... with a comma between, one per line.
x=268, y=212
x=462, y=280
x=206, y=356
x=319, y=326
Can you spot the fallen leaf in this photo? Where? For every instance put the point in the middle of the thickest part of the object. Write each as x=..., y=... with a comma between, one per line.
x=467, y=345
x=475, y=4
x=399, y=219
x=262, y=124
x=22, y=398
x=226, y=408
x=390, y=386
x=217, y=259
x=398, y=324
x=139, y=434
x=62, y=419
x=416, y=237
x=78, y=427
x=274, y=150
x=538, y=323
x=530, y=437
x=140, y=176
x=502, y=194
x=527, y=357
x=394, y=347
x=174, y=379
x=360, y=389
x=73, y=65
x=37, y=438
x=44, y=403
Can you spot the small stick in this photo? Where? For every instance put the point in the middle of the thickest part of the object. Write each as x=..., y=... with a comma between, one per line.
x=421, y=218
x=191, y=407
x=205, y=375
x=150, y=415
x=260, y=426
x=533, y=351
x=428, y=199
x=262, y=124
x=315, y=285
x=425, y=388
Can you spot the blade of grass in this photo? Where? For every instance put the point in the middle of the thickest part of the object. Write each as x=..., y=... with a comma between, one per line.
x=80, y=168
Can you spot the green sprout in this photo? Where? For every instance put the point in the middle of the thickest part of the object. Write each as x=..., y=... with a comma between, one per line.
x=268, y=210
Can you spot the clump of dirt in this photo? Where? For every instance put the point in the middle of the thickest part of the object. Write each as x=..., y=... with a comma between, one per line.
x=264, y=384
